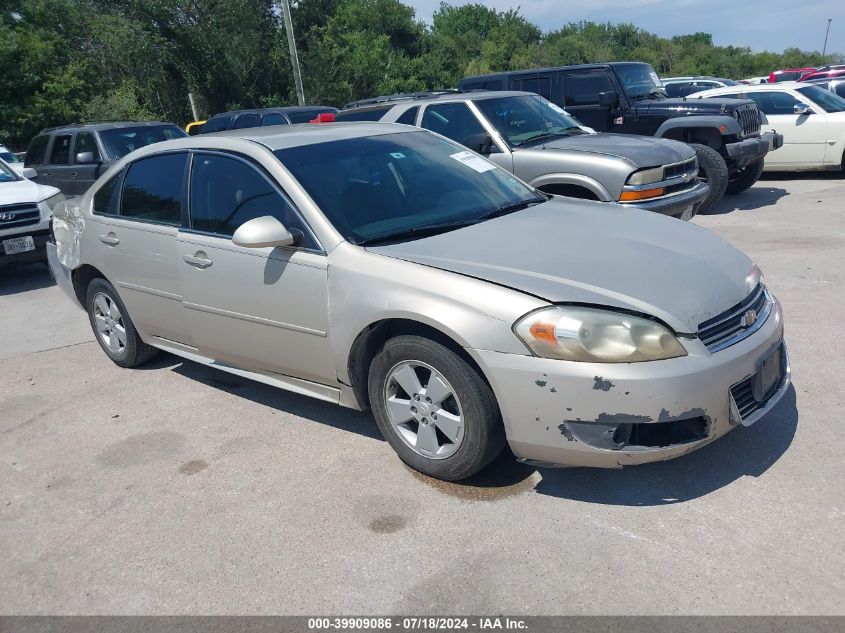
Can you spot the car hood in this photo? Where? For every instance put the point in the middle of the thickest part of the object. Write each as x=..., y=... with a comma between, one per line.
x=24, y=191
x=640, y=151
x=689, y=106
x=575, y=251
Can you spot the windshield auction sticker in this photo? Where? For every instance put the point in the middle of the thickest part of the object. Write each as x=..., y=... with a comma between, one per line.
x=473, y=162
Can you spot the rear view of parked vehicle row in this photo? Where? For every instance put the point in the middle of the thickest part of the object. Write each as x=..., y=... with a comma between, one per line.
x=628, y=98
x=543, y=145
x=385, y=267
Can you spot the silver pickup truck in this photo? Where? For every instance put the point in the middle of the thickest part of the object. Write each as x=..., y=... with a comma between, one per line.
x=550, y=150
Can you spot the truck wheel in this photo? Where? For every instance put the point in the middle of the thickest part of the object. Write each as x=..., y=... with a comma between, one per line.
x=113, y=328
x=711, y=167
x=745, y=177
x=434, y=409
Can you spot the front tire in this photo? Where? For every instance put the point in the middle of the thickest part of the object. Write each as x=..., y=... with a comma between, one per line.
x=711, y=167
x=745, y=177
x=113, y=328
x=434, y=408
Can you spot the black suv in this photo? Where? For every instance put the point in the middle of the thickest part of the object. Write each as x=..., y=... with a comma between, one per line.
x=262, y=117
x=628, y=98
x=72, y=157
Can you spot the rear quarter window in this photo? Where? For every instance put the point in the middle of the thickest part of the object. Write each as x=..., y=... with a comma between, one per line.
x=363, y=114
x=36, y=150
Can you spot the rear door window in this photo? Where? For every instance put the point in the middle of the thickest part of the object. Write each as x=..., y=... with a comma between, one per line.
x=226, y=192
x=409, y=116
x=60, y=154
x=247, y=120
x=37, y=149
x=273, y=118
x=774, y=102
x=217, y=124
x=541, y=85
x=453, y=120
x=152, y=189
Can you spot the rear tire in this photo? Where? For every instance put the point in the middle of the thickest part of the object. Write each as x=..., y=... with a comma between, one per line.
x=113, y=328
x=434, y=409
x=712, y=168
x=745, y=177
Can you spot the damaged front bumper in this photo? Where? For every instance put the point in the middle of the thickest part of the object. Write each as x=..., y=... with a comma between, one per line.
x=612, y=415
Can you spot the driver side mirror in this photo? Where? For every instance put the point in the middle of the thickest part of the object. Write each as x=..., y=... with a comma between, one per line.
x=263, y=232
x=481, y=143
x=801, y=108
x=608, y=99
x=29, y=173
x=86, y=158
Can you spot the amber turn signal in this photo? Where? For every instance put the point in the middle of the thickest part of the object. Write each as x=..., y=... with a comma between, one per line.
x=645, y=194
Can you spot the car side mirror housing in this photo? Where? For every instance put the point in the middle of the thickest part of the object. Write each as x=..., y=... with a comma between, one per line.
x=608, y=99
x=481, y=143
x=29, y=173
x=86, y=158
x=801, y=108
x=263, y=232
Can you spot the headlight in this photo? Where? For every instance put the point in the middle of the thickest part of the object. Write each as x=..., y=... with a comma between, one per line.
x=646, y=176
x=596, y=336
x=52, y=201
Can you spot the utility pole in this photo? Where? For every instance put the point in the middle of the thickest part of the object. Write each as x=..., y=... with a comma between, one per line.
x=824, y=48
x=294, y=58
x=193, y=106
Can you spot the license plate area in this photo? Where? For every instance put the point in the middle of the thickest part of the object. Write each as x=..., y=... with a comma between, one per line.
x=769, y=374
x=18, y=245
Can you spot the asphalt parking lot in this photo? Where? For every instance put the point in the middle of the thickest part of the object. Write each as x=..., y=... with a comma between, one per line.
x=178, y=489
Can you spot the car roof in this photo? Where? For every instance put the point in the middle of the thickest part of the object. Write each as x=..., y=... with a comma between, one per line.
x=756, y=87
x=469, y=95
x=528, y=71
x=101, y=125
x=279, y=109
x=276, y=137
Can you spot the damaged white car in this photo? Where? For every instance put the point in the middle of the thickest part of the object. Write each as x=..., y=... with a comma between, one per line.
x=373, y=265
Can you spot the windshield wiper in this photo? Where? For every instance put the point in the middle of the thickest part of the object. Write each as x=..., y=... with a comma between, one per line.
x=416, y=231
x=511, y=208
x=651, y=95
x=545, y=135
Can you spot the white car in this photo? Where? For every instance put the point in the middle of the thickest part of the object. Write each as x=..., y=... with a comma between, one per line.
x=25, y=211
x=11, y=159
x=811, y=119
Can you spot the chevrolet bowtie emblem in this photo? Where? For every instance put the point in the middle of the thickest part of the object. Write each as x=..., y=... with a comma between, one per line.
x=748, y=318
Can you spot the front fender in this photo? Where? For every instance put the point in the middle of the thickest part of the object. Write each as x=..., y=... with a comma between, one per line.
x=365, y=288
x=714, y=122
x=580, y=180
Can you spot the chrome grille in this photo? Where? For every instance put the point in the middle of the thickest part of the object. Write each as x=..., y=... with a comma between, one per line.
x=679, y=169
x=728, y=328
x=15, y=215
x=749, y=119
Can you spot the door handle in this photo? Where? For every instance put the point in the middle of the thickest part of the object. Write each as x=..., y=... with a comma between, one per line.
x=110, y=240
x=198, y=260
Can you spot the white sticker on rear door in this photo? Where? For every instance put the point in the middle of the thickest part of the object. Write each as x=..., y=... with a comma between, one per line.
x=473, y=162
x=656, y=79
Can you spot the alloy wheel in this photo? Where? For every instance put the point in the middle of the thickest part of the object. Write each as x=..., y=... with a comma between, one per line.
x=109, y=322
x=424, y=410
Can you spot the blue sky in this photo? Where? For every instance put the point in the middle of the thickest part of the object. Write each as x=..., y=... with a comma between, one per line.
x=761, y=24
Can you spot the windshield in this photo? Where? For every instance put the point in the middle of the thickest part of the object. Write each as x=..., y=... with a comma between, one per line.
x=6, y=173
x=525, y=119
x=825, y=99
x=639, y=80
x=8, y=156
x=122, y=140
x=403, y=185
